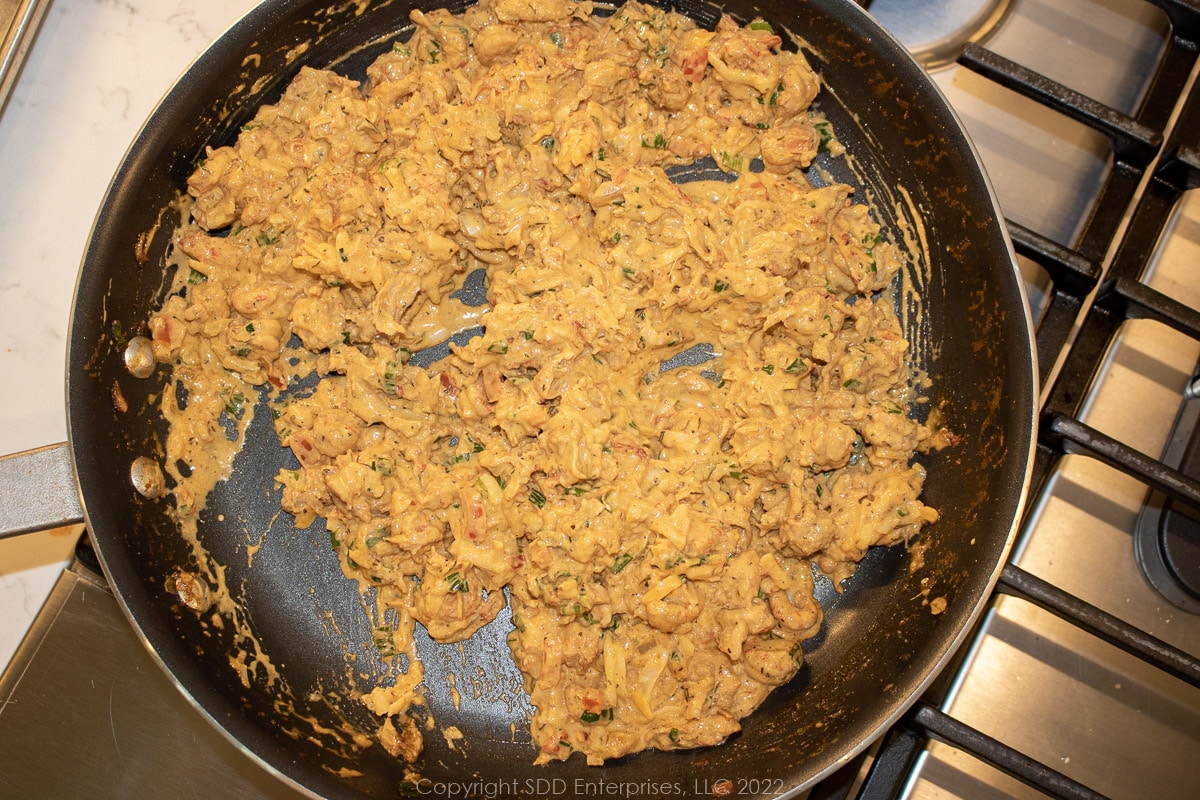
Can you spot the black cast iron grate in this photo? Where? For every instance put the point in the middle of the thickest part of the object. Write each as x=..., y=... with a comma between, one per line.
x=1161, y=141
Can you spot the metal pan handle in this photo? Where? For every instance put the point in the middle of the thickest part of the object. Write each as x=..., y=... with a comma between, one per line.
x=38, y=491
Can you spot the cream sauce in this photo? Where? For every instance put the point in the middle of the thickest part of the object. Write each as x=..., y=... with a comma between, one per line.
x=658, y=529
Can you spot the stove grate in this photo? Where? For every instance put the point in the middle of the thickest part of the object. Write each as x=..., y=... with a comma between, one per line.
x=1098, y=283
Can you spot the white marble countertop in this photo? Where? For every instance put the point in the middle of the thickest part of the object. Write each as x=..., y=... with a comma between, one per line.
x=95, y=73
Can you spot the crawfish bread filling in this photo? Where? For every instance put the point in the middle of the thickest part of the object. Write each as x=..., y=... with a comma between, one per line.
x=657, y=527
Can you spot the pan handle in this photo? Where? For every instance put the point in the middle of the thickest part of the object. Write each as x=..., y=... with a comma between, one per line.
x=38, y=491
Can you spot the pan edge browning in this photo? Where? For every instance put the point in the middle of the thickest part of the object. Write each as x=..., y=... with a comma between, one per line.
x=880, y=646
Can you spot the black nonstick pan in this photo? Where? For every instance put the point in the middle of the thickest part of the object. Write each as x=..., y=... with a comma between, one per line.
x=289, y=698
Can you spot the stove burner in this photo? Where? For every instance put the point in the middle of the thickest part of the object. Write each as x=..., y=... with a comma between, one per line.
x=934, y=31
x=1167, y=538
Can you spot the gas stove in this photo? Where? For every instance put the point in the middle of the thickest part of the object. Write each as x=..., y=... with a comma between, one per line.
x=1082, y=678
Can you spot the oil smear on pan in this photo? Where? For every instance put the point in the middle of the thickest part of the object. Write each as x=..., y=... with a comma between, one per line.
x=263, y=70
x=658, y=539
x=212, y=416
x=900, y=215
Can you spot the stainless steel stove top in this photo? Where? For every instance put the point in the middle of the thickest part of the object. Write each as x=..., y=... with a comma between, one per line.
x=1040, y=685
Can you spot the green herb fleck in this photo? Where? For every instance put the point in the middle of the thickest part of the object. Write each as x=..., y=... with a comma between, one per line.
x=456, y=583
x=734, y=162
x=384, y=642
x=234, y=403
x=775, y=94
x=389, y=379
x=825, y=131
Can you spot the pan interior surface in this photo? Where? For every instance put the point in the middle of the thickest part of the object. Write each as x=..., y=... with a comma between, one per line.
x=288, y=697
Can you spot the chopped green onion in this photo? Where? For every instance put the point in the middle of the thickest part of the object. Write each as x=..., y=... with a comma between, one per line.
x=775, y=94
x=825, y=131
x=457, y=584
x=537, y=498
x=384, y=642
x=234, y=403
x=389, y=379
x=734, y=162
